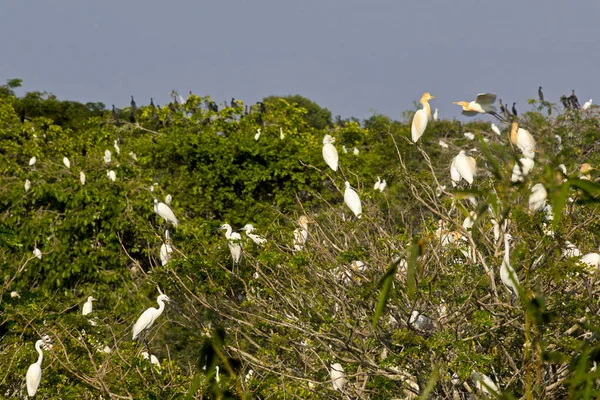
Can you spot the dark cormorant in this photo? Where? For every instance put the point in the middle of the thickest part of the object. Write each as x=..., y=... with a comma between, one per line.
x=574, y=101
x=263, y=108
x=133, y=105
x=233, y=104
x=514, y=110
x=503, y=109
x=565, y=102
x=212, y=106
x=152, y=103
x=541, y=94
x=114, y=113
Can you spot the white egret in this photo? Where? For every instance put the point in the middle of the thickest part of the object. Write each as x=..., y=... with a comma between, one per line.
x=382, y=185
x=165, y=253
x=482, y=105
x=37, y=253
x=14, y=294
x=352, y=200
x=257, y=136
x=435, y=115
x=571, y=250
x=165, y=212
x=116, y=146
x=469, y=221
x=420, y=321
x=148, y=317
x=338, y=377
x=496, y=229
x=522, y=169
x=443, y=144
x=249, y=228
x=523, y=140
x=592, y=260
x=463, y=167
x=168, y=199
x=587, y=104
x=66, y=162
x=507, y=273
x=469, y=135
x=485, y=384
x=301, y=234
x=217, y=377
x=330, y=154
x=421, y=117
x=234, y=242
x=281, y=135
x=344, y=149
x=153, y=359
x=495, y=129
x=537, y=198
x=32, y=161
x=107, y=156
x=87, y=306
x=112, y=175
x=27, y=185
x=355, y=151
x=82, y=177
x=34, y=372
x=133, y=155
x=376, y=186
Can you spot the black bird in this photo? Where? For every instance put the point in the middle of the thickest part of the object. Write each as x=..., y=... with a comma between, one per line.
x=233, y=104
x=246, y=111
x=114, y=113
x=189, y=99
x=503, y=109
x=133, y=105
x=514, y=110
x=263, y=108
x=565, y=102
x=574, y=101
x=541, y=94
x=152, y=103
x=212, y=106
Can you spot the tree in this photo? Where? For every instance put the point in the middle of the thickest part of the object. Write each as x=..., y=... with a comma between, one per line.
x=316, y=117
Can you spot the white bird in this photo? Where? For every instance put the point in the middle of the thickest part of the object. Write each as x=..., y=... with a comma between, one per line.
x=249, y=228
x=435, y=115
x=257, y=136
x=587, y=104
x=485, y=384
x=592, y=260
x=116, y=146
x=301, y=234
x=165, y=253
x=32, y=161
x=421, y=117
x=355, y=151
x=345, y=149
x=37, y=253
x=281, y=135
x=153, y=359
x=469, y=221
x=14, y=294
x=496, y=229
x=330, y=154
x=66, y=162
x=338, y=377
x=107, y=156
x=463, y=167
x=523, y=140
x=420, y=321
x=234, y=242
x=112, y=175
x=352, y=200
x=87, y=306
x=443, y=144
x=495, y=129
x=133, y=155
x=217, y=378
x=148, y=317
x=507, y=273
x=165, y=212
x=34, y=372
x=168, y=199
x=382, y=185
x=571, y=250
x=537, y=198
x=82, y=177
x=376, y=186
x=27, y=185
x=483, y=104
x=469, y=135
x=522, y=169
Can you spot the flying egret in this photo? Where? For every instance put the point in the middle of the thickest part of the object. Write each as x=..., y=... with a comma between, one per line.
x=34, y=372
x=82, y=177
x=107, y=156
x=571, y=250
x=168, y=199
x=521, y=169
x=165, y=212
x=301, y=234
x=37, y=253
x=435, y=115
x=352, y=200
x=485, y=384
x=66, y=162
x=484, y=104
x=421, y=117
x=338, y=377
x=587, y=104
x=523, y=140
x=495, y=129
x=27, y=185
x=234, y=240
x=592, y=260
x=116, y=146
x=257, y=136
x=463, y=167
x=330, y=154
x=537, y=198
x=469, y=135
x=32, y=161
x=249, y=228
x=153, y=359
x=87, y=306
x=507, y=273
x=166, y=250
x=112, y=175
x=148, y=317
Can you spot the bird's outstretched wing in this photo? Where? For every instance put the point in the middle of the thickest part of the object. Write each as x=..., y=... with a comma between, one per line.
x=486, y=98
x=470, y=113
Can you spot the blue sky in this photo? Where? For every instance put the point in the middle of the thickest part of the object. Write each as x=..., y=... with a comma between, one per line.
x=350, y=56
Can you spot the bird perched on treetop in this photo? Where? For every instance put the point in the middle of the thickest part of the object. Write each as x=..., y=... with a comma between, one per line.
x=540, y=94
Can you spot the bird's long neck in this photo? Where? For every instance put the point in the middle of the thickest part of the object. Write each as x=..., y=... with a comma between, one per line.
x=514, y=133
x=161, y=306
x=228, y=232
x=506, y=250
x=426, y=107
x=41, y=354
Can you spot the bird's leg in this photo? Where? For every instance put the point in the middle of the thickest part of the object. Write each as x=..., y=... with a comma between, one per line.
x=145, y=339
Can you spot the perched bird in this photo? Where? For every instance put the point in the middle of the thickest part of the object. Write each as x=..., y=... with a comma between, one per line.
x=463, y=167
x=165, y=211
x=573, y=100
x=537, y=198
x=376, y=186
x=168, y=199
x=503, y=109
x=435, y=115
x=443, y=144
x=116, y=146
x=27, y=185
x=66, y=162
x=133, y=105
x=355, y=151
x=521, y=169
x=586, y=105
x=352, y=200
x=592, y=260
x=507, y=273
x=419, y=122
x=115, y=115
x=166, y=250
x=281, y=135
x=523, y=140
x=571, y=250
x=514, y=109
x=107, y=156
x=32, y=161
x=301, y=233
x=148, y=317
x=234, y=242
x=485, y=384
x=469, y=135
x=34, y=372
x=330, y=154
x=153, y=359
x=87, y=306
x=82, y=177
x=257, y=136
x=257, y=239
x=495, y=129
x=382, y=185
x=421, y=322
x=112, y=175
x=37, y=253
x=338, y=377
x=484, y=104
x=541, y=94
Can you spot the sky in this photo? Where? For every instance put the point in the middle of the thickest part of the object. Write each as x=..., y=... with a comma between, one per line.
x=352, y=57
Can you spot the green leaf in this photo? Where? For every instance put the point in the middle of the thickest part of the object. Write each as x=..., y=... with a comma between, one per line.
x=386, y=284
x=411, y=281
x=558, y=201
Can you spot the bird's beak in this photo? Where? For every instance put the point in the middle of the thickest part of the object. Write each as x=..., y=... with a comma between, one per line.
x=455, y=102
x=431, y=97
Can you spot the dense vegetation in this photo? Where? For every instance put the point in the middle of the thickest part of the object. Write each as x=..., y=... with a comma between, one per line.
x=286, y=315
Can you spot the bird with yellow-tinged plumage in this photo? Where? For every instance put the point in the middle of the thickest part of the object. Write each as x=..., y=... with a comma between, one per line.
x=421, y=117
